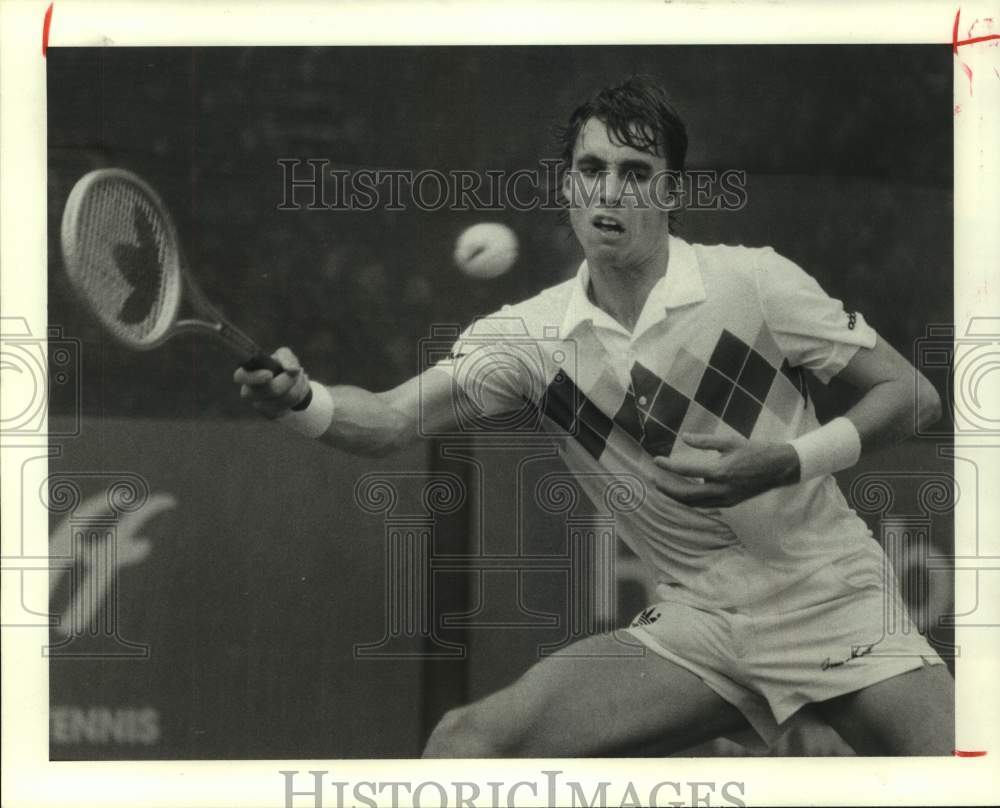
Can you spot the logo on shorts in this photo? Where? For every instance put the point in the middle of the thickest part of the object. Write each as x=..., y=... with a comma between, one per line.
x=860, y=651
x=646, y=617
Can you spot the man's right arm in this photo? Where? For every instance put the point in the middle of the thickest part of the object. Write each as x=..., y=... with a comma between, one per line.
x=362, y=423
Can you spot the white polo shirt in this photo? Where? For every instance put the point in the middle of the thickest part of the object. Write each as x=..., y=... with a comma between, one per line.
x=719, y=347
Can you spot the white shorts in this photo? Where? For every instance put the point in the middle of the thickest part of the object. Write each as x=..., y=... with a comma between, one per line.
x=769, y=663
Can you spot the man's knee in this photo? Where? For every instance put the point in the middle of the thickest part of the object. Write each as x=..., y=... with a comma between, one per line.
x=468, y=732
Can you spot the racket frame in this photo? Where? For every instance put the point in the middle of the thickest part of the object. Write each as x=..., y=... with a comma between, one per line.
x=168, y=323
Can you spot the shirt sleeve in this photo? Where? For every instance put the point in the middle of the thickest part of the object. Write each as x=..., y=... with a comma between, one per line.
x=493, y=365
x=811, y=328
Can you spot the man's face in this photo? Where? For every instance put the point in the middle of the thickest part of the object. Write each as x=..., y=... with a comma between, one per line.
x=616, y=199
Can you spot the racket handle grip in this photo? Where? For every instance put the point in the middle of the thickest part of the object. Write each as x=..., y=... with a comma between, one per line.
x=262, y=361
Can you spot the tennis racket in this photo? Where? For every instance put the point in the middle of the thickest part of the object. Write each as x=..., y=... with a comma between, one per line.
x=124, y=260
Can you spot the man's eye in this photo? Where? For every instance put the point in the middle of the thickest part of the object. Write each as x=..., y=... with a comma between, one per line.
x=588, y=171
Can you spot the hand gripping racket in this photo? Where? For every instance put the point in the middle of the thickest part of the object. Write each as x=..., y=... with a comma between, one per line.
x=124, y=260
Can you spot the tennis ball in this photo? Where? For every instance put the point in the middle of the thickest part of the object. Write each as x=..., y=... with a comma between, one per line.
x=486, y=250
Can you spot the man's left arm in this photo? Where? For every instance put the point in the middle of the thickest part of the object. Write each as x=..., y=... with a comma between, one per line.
x=892, y=392
x=897, y=397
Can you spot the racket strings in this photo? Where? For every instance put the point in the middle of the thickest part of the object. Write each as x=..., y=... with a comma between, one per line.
x=128, y=266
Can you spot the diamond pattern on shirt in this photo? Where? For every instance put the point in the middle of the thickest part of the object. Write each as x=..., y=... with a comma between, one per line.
x=685, y=372
x=658, y=440
x=652, y=411
x=742, y=411
x=565, y=404
x=645, y=385
x=699, y=420
x=669, y=407
x=561, y=401
x=768, y=348
x=734, y=388
x=740, y=381
x=783, y=400
x=729, y=355
x=713, y=391
x=629, y=418
x=756, y=376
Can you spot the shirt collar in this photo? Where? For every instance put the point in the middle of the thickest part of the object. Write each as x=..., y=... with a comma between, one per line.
x=680, y=286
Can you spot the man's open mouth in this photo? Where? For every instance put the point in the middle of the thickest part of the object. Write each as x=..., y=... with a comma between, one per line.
x=608, y=224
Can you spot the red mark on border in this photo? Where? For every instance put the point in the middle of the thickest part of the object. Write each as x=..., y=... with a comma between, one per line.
x=957, y=43
x=963, y=753
x=968, y=72
x=45, y=30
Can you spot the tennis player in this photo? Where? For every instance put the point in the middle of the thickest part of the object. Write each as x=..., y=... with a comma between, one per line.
x=683, y=364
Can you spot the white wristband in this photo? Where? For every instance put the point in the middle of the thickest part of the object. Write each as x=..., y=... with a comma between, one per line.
x=832, y=447
x=315, y=419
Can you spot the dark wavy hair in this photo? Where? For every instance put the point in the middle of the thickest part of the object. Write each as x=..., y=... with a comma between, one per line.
x=638, y=113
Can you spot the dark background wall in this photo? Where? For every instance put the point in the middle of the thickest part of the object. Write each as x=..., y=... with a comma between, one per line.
x=848, y=153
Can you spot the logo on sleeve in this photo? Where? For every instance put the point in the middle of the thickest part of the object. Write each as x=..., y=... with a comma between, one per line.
x=852, y=320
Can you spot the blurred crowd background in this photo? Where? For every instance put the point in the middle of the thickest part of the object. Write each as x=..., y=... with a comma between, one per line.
x=848, y=154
